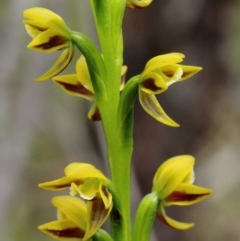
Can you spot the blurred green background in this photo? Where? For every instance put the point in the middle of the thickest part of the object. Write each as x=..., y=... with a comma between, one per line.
x=43, y=129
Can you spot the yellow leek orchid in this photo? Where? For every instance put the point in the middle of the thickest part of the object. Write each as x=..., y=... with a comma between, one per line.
x=49, y=33
x=173, y=185
x=138, y=3
x=159, y=73
x=80, y=85
x=83, y=179
x=90, y=183
x=74, y=220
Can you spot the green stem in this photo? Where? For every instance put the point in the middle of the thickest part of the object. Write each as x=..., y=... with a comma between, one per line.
x=119, y=161
x=108, y=15
x=119, y=136
x=119, y=157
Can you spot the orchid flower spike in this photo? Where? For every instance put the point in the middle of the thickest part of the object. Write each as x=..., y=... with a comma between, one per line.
x=159, y=73
x=80, y=85
x=73, y=220
x=138, y=3
x=49, y=33
x=173, y=183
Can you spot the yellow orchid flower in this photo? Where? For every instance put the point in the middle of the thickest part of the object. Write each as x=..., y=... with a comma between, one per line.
x=85, y=179
x=49, y=33
x=173, y=185
x=159, y=73
x=75, y=220
x=79, y=84
x=138, y=3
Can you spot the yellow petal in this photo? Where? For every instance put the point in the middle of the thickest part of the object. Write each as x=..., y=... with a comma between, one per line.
x=97, y=215
x=34, y=29
x=190, y=178
x=151, y=105
x=94, y=113
x=83, y=73
x=176, y=73
x=152, y=83
x=73, y=208
x=163, y=60
x=75, y=188
x=123, y=76
x=170, y=74
x=171, y=222
x=71, y=85
x=171, y=174
x=48, y=18
x=57, y=184
x=63, y=230
x=60, y=65
x=49, y=41
x=189, y=71
x=89, y=189
x=186, y=194
x=82, y=171
x=105, y=195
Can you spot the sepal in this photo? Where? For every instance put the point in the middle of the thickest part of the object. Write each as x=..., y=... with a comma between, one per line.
x=187, y=194
x=151, y=105
x=97, y=215
x=48, y=42
x=45, y=17
x=62, y=230
x=73, y=208
x=72, y=86
x=171, y=174
x=83, y=171
x=171, y=222
x=62, y=62
x=163, y=60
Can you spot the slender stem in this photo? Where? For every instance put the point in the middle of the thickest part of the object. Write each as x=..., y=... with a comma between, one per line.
x=108, y=17
x=119, y=161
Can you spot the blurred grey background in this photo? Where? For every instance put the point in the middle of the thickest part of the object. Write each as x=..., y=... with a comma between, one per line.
x=43, y=129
